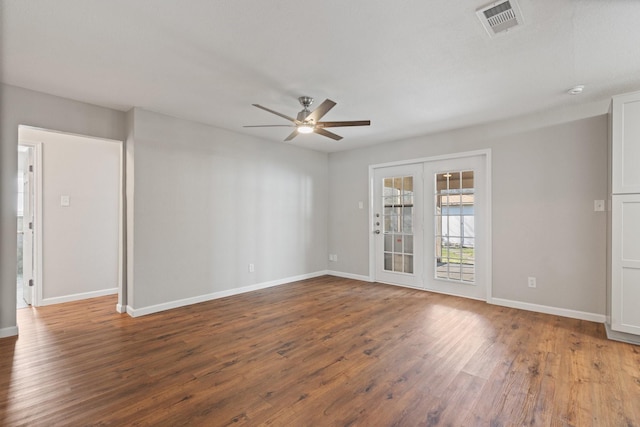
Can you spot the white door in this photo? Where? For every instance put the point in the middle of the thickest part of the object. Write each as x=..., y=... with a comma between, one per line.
x=625, y=263
x=397, y=224
x=27, y=227
x=456, y=230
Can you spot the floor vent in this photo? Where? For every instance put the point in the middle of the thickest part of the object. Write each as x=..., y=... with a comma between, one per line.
x=500, y=17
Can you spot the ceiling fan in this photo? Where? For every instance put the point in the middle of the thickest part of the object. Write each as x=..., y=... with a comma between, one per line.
x=309, y=121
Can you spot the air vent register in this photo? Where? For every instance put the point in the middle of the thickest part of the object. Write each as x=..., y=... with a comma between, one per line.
x=500, y=17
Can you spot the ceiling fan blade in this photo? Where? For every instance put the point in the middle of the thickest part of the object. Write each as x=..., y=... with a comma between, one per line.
x=328, y=134
x=284, y=116
x=269, y=126
x=322, y=109
x=292, y=135
x=342, y=124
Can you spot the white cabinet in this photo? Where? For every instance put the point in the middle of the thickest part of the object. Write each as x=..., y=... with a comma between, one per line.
x=624, y=220
x=625, y=263
x=626, y=143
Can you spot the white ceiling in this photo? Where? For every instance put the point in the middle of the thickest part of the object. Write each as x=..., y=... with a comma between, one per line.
x=411, y=67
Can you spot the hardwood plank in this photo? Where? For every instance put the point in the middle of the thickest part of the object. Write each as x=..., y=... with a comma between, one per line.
x=324, y=351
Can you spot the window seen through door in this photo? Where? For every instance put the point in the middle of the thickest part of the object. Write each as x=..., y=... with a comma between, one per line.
x=454, y=226
x=398, y=201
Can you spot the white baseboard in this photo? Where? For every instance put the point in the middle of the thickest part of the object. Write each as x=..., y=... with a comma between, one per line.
x=564, y=312
x=621, y=336
x=435, y=291
x=143, y=311
x=349, y=276
x=77, y=297
x=120, y=308
x=8, y=332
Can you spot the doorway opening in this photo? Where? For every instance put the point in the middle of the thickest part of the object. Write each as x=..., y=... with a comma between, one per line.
x=70, y=231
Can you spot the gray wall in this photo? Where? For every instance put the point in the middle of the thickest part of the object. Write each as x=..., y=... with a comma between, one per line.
x=203, y=202
x=24, y=107
x=545, y=178
x=208, y=202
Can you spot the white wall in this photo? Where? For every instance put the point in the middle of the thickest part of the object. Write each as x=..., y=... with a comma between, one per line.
x=80, y=241
x=208, y=202
x=545, y=179
x=24, y=107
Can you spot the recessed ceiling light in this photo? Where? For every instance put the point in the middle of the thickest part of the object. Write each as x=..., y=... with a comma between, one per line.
x=576, y=90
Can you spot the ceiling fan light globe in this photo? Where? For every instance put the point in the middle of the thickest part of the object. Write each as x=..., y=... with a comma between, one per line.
x=305, y=129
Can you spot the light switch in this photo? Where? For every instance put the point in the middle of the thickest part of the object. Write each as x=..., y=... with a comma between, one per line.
x=598, y=205
x=65, y=201
x=360, y=205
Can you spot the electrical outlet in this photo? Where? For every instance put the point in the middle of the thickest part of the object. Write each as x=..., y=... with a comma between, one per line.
x=252, y=268
x=532, y=282
x=333, y=257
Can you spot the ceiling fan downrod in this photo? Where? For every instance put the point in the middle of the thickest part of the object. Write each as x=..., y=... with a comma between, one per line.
x=305, y=101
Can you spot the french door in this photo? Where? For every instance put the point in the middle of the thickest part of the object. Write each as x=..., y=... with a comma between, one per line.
x=397, y=224
x=456, y=205
x=431, y=225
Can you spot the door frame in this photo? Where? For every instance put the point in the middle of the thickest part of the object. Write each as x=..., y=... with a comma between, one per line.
x=37, y=226
x=487, y=247
x=38, y=198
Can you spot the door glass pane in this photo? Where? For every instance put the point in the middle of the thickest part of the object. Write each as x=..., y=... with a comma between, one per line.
x=397, y=243
x=453, y=205
x=407, y=223
x=397, y=185
x=454, y=226
x=395, y=223
x=397, y=200
x=454, y=271
x=442, y=271
x=388, y=261
x=467, y=180
x=407, y=185
x=408, y=264
x=388, y=242
x=468, y=273
x=408, y=244
x=387, y=187
x=397, y=263
x=389, y=205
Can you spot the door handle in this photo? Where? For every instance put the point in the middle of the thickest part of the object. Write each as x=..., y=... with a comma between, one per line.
x=376, y=232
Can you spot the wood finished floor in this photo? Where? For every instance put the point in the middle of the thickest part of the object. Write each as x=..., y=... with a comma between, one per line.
x=320, y=352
